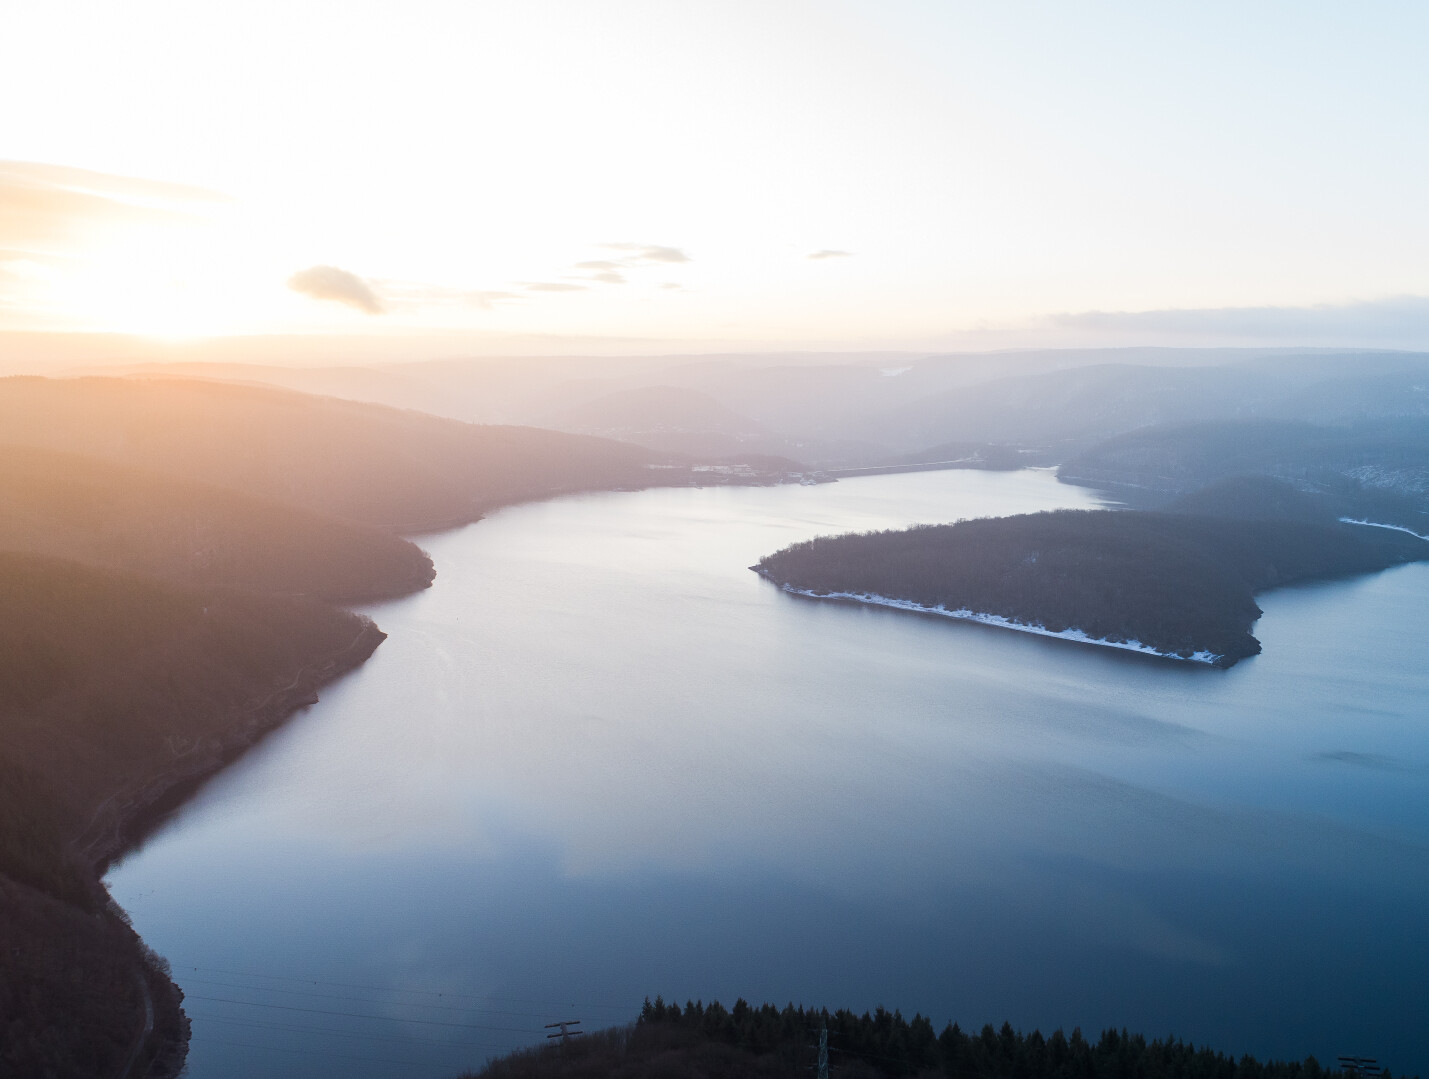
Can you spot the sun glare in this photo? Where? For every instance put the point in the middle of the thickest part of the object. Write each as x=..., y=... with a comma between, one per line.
x=156, y=290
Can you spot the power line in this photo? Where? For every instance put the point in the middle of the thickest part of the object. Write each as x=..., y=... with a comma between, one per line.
x=329, y=1031
x=362, y=1000
x=364, y=1015
x=428, y=992
x=312, y=1052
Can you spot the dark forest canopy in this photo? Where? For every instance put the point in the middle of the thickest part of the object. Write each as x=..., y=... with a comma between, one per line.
x=1251, y=498
x=768, y=1042
x=1180, y=584
x=114, y=690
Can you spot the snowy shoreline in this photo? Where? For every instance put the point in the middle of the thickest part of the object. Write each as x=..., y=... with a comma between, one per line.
x=1377, y=524
x=965, y=615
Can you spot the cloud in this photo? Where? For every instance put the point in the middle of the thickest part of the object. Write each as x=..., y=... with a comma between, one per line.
x=830, y=253
x=612, y=271
x=637, y=254
x=1400, y=320
x=552, y=286
x=331, y=283
x=132, y=189
x=397, y=293
x=57, y=210
x=486, y=299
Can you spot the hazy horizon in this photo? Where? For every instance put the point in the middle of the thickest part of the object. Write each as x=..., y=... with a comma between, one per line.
x=552, y=178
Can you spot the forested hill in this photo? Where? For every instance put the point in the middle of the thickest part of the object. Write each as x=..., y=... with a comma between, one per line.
x=103, y=514
x=381, y=467
x=1374, y=468
x=1179, y=584
x=116, y=690
x=710, y=1041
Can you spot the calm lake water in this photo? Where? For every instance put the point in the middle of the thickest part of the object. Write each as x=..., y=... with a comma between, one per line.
x=601, y=759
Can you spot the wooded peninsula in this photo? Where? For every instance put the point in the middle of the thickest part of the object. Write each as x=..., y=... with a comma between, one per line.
x=1176, y=584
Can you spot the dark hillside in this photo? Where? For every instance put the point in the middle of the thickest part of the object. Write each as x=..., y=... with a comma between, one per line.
x=116, y=690
x=708, y=1041
x=381, y=467
x=1250, y=498
x=1177, y=583
x=113, y=686
x=108, y=515
x=72, y=994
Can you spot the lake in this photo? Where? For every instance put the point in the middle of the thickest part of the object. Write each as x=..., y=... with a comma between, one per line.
x=600, y=759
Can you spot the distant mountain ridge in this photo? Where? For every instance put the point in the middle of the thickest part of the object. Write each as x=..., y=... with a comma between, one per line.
x=377, y=466
x=870, y=410
x=1378, y=470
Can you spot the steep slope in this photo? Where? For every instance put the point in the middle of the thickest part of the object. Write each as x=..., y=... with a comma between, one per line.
x=116, y=691
x=108, y=515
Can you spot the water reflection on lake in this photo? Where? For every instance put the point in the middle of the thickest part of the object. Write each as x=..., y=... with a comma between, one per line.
x=600, y=759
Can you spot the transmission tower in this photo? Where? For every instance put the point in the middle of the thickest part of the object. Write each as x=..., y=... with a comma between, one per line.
x=1361, y=1067
x=565, y=1033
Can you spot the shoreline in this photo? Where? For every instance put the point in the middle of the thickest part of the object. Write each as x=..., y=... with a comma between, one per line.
x=126, y=820
x=1209, y=659
x=1380, y=524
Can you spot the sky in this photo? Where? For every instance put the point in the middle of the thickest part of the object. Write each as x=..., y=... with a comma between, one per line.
x=686, y=174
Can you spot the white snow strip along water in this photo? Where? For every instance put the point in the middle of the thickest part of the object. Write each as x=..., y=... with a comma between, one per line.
x=1004, y=623
x=1377, y=524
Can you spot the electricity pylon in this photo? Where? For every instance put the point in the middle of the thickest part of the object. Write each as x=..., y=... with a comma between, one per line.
x=566, y=1034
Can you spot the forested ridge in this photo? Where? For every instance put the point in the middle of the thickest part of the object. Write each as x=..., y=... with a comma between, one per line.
x=1178, y=583
x=110, y=515
x=709, y=1041
x=386, y=468
x=1371, y=468
x=115, y=689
